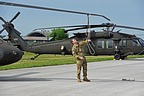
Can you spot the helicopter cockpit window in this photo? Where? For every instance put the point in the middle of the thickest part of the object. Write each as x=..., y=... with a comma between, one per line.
x=141, y=42
x=109, y=44
x=0, y=41
x=136, y=42
x=100, y=44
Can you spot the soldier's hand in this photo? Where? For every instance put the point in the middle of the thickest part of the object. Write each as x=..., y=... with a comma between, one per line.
x=81, y=58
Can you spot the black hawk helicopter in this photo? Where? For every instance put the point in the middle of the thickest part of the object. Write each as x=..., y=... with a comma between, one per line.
x=106, y=42
x=8, y=53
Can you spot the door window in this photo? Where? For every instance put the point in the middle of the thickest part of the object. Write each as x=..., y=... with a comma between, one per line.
x=109, y=44
x=100, y=44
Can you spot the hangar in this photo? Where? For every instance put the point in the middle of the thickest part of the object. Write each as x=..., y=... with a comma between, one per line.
x=36, y=37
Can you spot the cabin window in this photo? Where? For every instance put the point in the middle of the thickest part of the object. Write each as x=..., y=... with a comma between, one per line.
x=100, y=44
x=122, y=43
x=109, y=44
x=136, y=42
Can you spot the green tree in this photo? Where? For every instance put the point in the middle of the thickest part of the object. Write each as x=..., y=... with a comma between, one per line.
x=58, y=34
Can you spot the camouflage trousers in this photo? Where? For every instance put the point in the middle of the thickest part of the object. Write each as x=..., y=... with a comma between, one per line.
x=81, y=64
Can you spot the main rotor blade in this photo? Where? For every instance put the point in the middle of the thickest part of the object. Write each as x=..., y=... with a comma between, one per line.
x=15, y=17
x=59, y=27
x=53, y=9
x=3, y=20
x=127, y=27
x=76, y=27
x=85, y=27
x=79, y=27
x=105, y=25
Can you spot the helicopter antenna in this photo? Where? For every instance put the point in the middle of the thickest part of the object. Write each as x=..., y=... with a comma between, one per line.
x=53, y=9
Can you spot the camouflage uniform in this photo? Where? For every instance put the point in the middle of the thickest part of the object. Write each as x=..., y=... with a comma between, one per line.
x=78, y=52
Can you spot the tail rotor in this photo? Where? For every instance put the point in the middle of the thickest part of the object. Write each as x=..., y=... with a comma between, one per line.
x=7, y=24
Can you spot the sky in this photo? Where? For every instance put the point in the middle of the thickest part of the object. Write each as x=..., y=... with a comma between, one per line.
x=121, y=12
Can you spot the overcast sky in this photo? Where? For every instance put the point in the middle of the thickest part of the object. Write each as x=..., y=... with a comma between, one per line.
x=121, y=12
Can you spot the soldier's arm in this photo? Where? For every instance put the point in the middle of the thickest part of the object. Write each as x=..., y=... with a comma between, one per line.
x=81, y=43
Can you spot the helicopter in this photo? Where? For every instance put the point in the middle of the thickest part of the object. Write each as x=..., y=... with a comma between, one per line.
x=8, y=53
x=105, y=42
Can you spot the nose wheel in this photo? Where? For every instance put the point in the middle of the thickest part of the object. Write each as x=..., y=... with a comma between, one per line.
x=118, y=57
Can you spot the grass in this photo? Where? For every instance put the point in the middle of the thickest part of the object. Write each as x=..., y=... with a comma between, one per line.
x=52, y=60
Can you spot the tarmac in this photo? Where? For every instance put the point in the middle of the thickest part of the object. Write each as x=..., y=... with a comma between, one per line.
x=108, y=78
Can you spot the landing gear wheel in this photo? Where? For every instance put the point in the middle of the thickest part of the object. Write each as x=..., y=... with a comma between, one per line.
x=117, y=56
x=32, y=58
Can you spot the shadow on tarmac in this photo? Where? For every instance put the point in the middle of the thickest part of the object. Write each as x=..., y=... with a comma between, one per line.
x=9, y=79
x=24, y=79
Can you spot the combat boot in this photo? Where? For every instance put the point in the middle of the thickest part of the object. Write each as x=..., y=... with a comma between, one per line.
x=86, y=79
x=79, y=80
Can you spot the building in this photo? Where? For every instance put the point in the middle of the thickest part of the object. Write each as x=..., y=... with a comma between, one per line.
x=36, y=37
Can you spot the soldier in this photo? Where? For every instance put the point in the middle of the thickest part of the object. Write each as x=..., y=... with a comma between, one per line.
x=78, y=53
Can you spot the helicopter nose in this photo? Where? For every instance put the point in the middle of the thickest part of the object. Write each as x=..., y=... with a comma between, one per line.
x=18, y=54
x=10, y=56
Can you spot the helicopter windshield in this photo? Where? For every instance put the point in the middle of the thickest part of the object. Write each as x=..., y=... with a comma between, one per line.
x=1, y=40
x=141, y=41
x=138, y=42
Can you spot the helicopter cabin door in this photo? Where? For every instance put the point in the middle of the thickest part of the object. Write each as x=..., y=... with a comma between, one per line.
x=104, y=47
x=137, y=47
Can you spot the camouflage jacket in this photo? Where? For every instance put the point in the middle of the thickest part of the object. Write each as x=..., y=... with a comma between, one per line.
x=77, y=50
